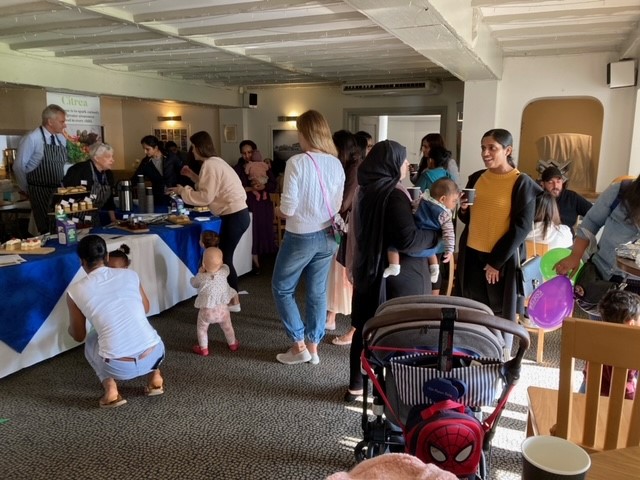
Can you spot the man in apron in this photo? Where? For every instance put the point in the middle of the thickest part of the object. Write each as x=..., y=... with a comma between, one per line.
x=39, y=164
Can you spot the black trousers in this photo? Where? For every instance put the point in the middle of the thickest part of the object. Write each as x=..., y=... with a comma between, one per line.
x=414, y=279
x=233, y=227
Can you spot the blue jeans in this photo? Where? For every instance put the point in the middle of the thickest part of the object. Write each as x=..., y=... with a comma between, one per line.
x=309, y=254
x=119, y=370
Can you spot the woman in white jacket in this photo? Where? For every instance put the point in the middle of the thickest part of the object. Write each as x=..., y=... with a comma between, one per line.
x=547, y=228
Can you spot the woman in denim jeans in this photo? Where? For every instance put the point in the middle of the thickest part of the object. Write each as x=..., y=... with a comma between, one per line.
x=618, y=214
x=312, y=194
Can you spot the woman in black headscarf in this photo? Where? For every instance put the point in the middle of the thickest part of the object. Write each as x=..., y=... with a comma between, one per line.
x=382, y=217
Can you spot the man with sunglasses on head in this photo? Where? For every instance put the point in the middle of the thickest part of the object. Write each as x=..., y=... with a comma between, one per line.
x=570, y=203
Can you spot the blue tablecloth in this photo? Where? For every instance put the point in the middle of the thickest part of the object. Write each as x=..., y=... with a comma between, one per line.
x=32, y=289
x=184, y=240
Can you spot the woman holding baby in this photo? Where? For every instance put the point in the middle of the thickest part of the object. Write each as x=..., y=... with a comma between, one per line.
x=258, y=183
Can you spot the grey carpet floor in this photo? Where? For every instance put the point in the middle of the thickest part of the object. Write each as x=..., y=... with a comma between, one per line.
x=232, y=415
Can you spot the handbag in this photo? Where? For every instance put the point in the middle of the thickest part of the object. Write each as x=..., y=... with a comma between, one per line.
x=528, y=278
x=341, y=254
x=590, y=287
x=338, y=226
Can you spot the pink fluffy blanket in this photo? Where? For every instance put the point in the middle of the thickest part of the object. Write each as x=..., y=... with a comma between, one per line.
x=394, y=466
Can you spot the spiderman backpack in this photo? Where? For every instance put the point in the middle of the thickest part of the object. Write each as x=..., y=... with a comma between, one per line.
x=446, y=434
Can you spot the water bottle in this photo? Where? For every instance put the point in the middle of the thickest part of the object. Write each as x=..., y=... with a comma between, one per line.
x=149, y=200
x=177, y=204
x=126, y=196
x=141, y=193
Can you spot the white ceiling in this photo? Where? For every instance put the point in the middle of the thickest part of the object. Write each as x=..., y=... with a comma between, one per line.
x=253, y=43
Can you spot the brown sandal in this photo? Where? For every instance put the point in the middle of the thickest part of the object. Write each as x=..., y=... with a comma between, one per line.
x=153, y=391
x=119, y=401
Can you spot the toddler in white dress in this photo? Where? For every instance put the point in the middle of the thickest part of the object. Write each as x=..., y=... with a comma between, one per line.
x=214, y=293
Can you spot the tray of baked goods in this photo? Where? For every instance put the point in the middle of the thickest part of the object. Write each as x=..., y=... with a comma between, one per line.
x=200, y=209
x=27, y=246
x=71, y=190
x=132, y=225
x=179, y=219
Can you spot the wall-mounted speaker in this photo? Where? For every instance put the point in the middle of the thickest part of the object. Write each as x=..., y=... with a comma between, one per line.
x=621, y=74
x=250, y=100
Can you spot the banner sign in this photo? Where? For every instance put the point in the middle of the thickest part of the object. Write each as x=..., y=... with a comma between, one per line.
x=83, y=113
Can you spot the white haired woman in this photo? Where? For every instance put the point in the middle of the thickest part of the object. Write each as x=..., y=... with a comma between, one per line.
x=96, y=175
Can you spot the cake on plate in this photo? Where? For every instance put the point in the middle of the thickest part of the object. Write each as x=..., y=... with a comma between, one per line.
x=13, y=244
x=179, y=219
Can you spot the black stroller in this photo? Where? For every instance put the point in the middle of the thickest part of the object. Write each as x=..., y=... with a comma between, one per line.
x=433, y=352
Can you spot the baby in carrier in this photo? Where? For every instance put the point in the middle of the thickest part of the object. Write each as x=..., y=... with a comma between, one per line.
x=257, y=170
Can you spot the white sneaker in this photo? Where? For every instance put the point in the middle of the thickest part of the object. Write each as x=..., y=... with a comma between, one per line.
x=290, y=358
x=392, y=270
x=315, y=359
x=234, y=308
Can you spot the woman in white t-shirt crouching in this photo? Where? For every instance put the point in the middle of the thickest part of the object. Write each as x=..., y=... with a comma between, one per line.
x=547, y=228
x=122, y=344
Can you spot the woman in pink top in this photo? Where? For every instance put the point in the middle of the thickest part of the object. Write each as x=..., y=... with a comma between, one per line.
x=218, y=187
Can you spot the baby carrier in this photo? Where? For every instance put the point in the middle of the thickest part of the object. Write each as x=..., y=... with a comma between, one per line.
x=434, y=362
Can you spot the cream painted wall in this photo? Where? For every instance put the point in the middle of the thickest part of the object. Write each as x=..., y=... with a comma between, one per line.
x=634, y=162
x=479, y=115
x=139, y=118
x=235, y=118
x=410, y=132
x=528, y=79
x=22, y=108
x=112, y=121
x=274, y=102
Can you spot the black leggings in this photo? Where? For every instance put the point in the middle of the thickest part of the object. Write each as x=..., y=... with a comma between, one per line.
x=414, y=279
x=233, y=227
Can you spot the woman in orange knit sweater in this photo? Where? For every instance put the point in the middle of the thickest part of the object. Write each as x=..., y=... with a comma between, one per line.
x=496, y=227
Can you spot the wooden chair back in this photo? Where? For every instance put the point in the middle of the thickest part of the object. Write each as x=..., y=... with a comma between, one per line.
x=278, y=223
x=452, y=273
x=622, y=178
x=606, y=423
x=536, y=248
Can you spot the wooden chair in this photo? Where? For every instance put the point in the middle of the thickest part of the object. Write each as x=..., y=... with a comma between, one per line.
x=452, y=273
x=533, y=249
x=536, y=248
x=278, y=223
x=622, y=178
x=595, y=422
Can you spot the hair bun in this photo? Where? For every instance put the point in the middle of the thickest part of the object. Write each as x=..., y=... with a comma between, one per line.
x=124, y=248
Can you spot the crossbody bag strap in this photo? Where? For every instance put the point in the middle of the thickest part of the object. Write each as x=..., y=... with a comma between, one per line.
x=324, y=191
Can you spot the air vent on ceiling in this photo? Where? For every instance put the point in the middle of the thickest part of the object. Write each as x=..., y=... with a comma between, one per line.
x=426, y=87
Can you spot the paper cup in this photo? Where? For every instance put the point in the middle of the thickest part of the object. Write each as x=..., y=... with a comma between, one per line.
x=469, y=194
x=551, y=458
x=414, y=192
